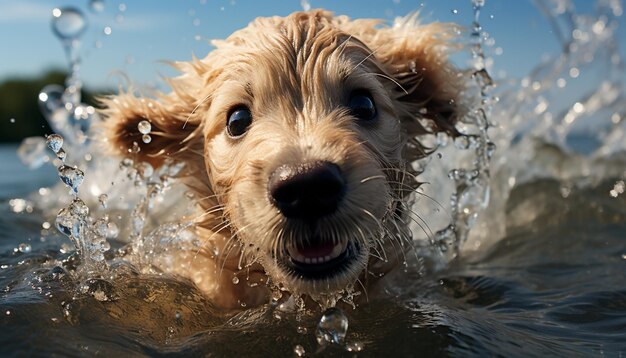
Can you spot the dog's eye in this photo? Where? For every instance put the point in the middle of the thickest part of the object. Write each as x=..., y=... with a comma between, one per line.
x=238, y=121
x=362, y=105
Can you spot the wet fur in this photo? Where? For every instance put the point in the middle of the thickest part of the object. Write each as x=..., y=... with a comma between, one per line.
x=295, y=73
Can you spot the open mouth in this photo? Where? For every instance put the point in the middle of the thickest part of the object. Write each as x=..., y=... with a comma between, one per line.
x=318, y=258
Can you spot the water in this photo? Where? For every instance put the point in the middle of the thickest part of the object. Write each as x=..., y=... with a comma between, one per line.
x=520, y=251
x=68, y=23
x=553, y=286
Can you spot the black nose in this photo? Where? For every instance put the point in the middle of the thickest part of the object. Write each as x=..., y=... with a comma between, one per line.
x=307, y=191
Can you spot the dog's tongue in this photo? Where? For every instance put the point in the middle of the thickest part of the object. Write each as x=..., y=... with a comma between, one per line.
x=321, y=249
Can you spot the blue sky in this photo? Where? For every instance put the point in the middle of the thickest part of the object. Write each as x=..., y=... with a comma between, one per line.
x=154, y=31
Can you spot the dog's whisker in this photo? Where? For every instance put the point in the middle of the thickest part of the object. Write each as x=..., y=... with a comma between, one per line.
x=228, y=249
x=423, y=225
x=344, y=44
x=410, y=213
x=377, y=240
x=207, y=213
x=363, y=60
x=372, y=178
x=367, y=299
x=215, y=231
x=369, y=213
x=392, y=80
x=206, y=98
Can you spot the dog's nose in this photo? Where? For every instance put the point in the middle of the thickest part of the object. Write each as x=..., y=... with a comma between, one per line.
x=307, y=191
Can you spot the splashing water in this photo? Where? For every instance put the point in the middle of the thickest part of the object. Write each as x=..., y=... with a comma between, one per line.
x=522, y=119
x=471, y=193
x=87, y=233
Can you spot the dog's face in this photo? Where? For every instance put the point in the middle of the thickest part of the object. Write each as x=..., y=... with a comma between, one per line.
x=297, y=132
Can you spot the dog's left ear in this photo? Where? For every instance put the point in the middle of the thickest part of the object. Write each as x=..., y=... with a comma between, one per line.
x=174, y=128
x=425, y=83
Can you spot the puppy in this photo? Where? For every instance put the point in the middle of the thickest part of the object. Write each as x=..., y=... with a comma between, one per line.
x=298, y=135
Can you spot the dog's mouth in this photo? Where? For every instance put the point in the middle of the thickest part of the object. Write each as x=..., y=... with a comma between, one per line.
x=318, y=258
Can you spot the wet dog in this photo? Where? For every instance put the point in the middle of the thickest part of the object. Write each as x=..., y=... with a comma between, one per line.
x=298, y=135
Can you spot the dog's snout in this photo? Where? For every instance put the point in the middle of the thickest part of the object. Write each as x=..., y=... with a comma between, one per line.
x=307, y=191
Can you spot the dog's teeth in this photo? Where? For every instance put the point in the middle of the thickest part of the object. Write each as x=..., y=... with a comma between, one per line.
x=337, y=250
x=295, y=255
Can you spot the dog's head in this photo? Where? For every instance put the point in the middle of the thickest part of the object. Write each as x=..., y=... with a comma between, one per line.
x=297, y=133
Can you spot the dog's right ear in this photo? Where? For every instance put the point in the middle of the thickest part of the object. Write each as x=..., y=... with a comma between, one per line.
x=175, y=128
x=415, y=59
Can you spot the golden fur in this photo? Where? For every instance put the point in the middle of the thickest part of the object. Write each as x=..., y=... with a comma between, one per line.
x=295, y=73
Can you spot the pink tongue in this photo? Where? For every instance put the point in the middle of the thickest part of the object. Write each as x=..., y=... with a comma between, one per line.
x=319, y=250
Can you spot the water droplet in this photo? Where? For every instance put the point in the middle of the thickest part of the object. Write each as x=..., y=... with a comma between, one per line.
x=20, y=205
x=101, y=227
x=83, y=112
x=24, y=248
x=299, y=350
x=455, y=11
x=332, y=327
x=114, y=231
x=68, y=23
x=146, y=138
x=54, y=142
x=103, y=200
x=79, y=208
x=72, y=177
x=578, y=107
x=354, y=347
x=50, y=99
x=144, y=127
x=61, y=154
x=71, y=97
x=145, y=170
x=235, y=280
x=107, y=30
x=478, y=3
x=135, y=148
x=462, y=142
x=96, y=5
x=12, y=120
x=178, y=315
x=67, y=223
x=126, y=163
x=491, y=149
